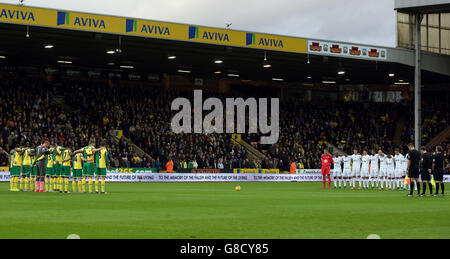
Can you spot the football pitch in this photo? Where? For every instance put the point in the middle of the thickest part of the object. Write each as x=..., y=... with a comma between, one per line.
x=216, y=210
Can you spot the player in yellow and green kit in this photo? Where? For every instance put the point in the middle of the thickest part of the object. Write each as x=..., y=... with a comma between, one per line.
x=88, y=165
x=65, y=170
x=57, y=169
x=26, y=169
x=16, y=166
x=77, y=171
x=49, y=172
x=101, y=163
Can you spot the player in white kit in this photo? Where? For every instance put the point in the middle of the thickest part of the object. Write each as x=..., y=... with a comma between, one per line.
x=390, y=171
x=365, y=161
x=356, y=168
x=337, y=170
x=346, y=172
x=373, y=173
x=398, y=159
x=382, y=172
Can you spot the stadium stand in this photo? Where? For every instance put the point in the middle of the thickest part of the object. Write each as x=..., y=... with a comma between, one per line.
x=95, y=109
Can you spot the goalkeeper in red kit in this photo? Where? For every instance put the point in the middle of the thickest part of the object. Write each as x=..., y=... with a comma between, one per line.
x=327, y=160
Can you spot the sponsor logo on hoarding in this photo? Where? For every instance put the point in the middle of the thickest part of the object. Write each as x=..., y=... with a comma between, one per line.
x=354, y=51
x=335, y=49
x=263, y=42
x=194, y=33
x=315, y=46
x=156, y=30
x=13, y=14
x=63, y=18
x=206, y=171
x=131, y=25
x=374, y=53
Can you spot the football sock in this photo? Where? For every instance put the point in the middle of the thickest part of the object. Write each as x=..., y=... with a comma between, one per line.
x=37, y=185
x=96, y=185
x=103, y=185
x=32, y=183
x=83, y=184
x=47, y=184
x=437, y=188
x=424, y=186
x=335, y=184
x=66, y=184
x=431, y=188
x=418, y=188
x=80, y=188
x=74, y=185
x=42, y=186
x=21, y=183
x=90, y=184
x=26, y=185
x=411, y=188
x=442, y=187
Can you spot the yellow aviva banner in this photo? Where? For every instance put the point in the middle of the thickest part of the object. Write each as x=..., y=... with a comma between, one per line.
x=255, y=171
x=146, y=28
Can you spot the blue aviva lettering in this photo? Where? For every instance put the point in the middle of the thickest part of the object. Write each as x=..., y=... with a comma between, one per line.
x=207, y=35
x=132, y=25
x=16, y=15
x=263, y=42
x=63, y=19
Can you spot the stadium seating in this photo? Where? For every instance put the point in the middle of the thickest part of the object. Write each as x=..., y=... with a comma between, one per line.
x=31, y=112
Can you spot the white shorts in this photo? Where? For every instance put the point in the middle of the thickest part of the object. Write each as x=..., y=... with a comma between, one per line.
x=382, y=172
x=337, y=173
x=398, y=172
x=390, y=172
x=373, y=172
x=355, y=172
x=364, y=171
x=347, y=172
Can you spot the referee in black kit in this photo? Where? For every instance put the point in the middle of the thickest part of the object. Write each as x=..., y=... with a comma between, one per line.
x=425, y=170
x=413, y=169
x=438, y=170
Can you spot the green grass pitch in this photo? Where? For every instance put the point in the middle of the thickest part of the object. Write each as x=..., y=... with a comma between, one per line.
x=216, y=210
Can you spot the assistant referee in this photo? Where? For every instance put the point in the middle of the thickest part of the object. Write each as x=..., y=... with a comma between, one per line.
x=413, y=169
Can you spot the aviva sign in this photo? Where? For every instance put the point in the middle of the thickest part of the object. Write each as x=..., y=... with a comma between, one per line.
x=263, y=42
x=16, y=15
x=63, y=18
x=147, y=28
x=152, y=29
x=209, y=35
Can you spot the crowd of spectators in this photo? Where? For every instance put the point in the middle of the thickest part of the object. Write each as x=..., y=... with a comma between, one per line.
x=32, y=112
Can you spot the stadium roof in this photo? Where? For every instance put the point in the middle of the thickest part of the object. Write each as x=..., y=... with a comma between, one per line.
x=422, y=6
x=84, y=40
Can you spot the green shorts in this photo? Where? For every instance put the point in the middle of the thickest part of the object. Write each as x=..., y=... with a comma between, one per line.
x=100, y=171
x=57, y=168
x=50, y=171
x=65, y=171
x=33, y=171
x=88, y=169
x=26, y=170
x=77, y=173
x=15, y=170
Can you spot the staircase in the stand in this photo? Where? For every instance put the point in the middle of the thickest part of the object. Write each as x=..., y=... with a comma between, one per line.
x=439, y=138
x=252, y=152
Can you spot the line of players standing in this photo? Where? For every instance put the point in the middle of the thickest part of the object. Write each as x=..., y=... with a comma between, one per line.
x=384, y=170
x=53, y=166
